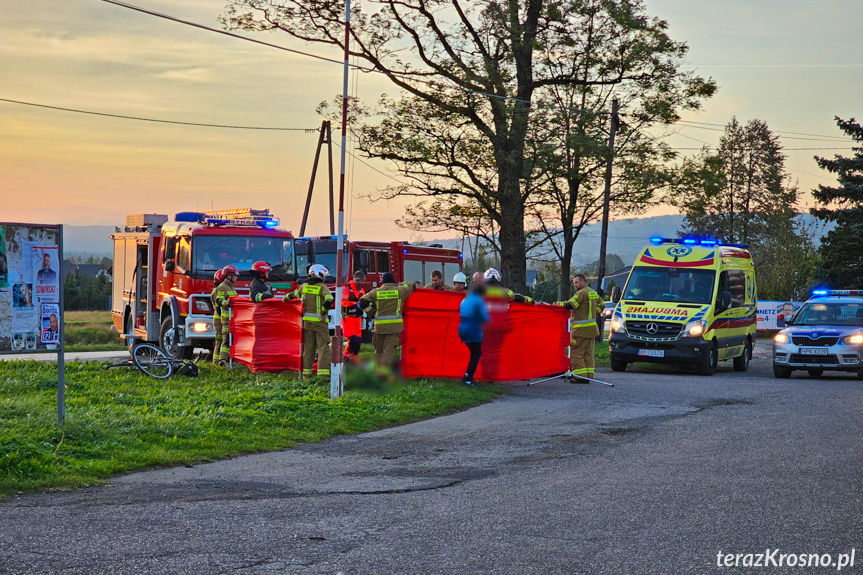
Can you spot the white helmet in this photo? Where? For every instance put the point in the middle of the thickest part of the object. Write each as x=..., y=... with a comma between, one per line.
x=491, y=273
x=459, y=278
x=319, y=271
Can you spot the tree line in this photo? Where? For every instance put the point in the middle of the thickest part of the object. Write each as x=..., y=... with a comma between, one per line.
x=499, y=126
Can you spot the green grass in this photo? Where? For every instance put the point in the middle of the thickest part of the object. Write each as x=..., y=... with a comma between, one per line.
x=120, y=420
x=603, y=358
x=91, y=331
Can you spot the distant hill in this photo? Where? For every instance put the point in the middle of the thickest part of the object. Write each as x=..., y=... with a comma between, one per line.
x=90, y=240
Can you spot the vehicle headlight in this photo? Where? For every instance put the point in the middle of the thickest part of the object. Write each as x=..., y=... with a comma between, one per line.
x=694, y=329
x=616, y=324
x=781, y=338
x=853, y=339
x=201, y=326
x=202, y=304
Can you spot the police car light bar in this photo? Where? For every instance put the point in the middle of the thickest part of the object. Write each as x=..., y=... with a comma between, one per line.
x=837, y=292
x=691, y=241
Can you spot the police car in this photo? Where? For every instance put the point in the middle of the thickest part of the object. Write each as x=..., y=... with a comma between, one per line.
x=826, y=333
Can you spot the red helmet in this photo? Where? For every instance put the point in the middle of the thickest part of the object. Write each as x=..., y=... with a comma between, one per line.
x=263, y=268
x=229, y=269
x=218, y=276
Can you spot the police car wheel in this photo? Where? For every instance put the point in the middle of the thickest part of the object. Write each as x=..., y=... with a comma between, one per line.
x=816, y=373
x=781, y=372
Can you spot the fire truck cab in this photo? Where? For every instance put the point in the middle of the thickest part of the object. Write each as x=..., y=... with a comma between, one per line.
x=163, y=271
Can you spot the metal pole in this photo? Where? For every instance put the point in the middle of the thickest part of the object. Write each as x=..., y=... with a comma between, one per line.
x=336, y=385
x=330, y=173
x=61, y=354
x=606, y=199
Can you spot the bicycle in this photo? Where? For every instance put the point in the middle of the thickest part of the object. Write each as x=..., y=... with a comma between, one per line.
x=152, y=361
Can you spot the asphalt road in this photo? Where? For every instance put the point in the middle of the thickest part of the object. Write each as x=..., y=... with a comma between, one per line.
x=656, y=475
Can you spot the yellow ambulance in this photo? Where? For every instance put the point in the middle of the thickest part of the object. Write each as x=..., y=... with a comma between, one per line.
x=687, y=301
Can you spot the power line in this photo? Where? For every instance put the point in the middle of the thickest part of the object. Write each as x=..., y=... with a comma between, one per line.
x=777, y=131
x=748, y=149
x=141, y=119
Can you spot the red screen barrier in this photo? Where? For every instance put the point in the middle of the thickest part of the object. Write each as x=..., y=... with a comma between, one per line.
x=522, y=341
x=268, y=336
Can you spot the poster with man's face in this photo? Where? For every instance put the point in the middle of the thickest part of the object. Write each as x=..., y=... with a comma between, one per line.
x=46, y=277
x=50, y=323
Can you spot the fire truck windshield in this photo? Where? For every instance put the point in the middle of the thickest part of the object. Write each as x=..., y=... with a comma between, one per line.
x=324, y=253
x=215, y=252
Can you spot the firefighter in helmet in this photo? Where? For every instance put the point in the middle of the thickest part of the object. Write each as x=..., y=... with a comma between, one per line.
x=217, y=320
x=222, y=300
x=259, y=289
x=317, y=300
x=586, y=304
x=352, y=315
x=459, y=282
x=389, y=299
x=495, y=290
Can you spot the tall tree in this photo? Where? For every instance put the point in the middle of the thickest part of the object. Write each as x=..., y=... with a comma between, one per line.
x=467, y=72
x=841, y=256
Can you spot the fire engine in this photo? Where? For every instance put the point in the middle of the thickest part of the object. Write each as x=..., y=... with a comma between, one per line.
x=163, y=271
x=407, y=262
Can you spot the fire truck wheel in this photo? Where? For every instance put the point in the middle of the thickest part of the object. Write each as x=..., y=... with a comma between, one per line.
x=168, y=343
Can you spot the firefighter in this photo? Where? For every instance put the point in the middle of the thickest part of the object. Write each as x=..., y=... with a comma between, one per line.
x=459, y=282
x=222, y=298
x=352, y=315
x=586, y=304
x=217, y=321
x=389, y=299
x=437, y=282
x=317, y=300
x=259, y=289
x=494, y=289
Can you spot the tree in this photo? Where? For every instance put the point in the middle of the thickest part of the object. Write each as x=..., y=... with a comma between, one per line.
x=741, y=191
x=613, y=263
x=841, y=256
x=467, y=72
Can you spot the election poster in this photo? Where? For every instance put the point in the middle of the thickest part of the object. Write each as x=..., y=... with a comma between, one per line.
x=50, y=324
x=46, y=274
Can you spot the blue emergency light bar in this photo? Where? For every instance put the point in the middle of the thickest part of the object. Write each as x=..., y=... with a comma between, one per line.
x=693, y=241
x=837, y=292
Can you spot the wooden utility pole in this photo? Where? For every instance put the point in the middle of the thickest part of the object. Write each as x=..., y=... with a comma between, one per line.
x=325, y=137
x=606, y=198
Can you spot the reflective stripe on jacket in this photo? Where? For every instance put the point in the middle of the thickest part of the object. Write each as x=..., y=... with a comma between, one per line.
x=313, y=296
x=389, y=299
x=586, y=304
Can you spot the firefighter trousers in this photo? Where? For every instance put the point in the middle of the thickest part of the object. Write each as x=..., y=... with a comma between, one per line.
x=217, y=347
x=225, y=348
x=316, y=342
x=386, y=351
x=581, y=359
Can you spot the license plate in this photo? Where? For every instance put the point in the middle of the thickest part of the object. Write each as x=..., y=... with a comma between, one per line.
x=813, y=350
x=652, y=352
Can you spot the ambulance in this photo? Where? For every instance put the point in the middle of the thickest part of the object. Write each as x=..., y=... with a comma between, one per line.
x=687, y=301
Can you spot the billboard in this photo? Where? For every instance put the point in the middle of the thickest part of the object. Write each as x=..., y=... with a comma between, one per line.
x=29, y=287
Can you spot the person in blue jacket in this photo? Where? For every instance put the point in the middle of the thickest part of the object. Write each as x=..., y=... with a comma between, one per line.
x=472, y=316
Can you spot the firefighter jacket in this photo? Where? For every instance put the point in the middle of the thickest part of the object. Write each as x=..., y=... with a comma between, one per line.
x=317, y=299
x=389, y=299
x=586, y=304
x=494, y=290
x=441, y=287
x=222, y=299
x=259, y=290
x=351, y=295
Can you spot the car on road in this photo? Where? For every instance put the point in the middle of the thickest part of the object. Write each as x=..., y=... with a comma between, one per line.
x=826, y=334
x=608, y=310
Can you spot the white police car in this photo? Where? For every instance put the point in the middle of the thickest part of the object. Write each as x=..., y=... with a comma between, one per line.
x=826, y=333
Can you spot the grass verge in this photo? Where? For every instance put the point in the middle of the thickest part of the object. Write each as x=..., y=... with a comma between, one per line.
x=91, y=331
x=120, y=420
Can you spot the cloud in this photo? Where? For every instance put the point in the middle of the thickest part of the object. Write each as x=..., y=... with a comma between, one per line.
x=201, y=75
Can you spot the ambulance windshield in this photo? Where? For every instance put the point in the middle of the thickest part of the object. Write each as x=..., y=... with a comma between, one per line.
x=215, y=252
x=670, y=284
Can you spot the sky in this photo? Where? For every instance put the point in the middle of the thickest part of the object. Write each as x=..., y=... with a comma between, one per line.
x=795, y=64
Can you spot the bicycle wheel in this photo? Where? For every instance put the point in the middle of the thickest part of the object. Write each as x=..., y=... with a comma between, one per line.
x=152, y=361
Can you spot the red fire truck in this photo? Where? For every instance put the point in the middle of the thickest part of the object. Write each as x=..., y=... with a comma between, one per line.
x=407, y=262
x=163, y=271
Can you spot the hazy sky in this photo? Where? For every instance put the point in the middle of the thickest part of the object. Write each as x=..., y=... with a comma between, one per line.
x=792, y=63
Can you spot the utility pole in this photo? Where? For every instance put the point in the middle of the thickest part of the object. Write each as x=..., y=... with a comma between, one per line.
x=325, y=137
x=606, y=200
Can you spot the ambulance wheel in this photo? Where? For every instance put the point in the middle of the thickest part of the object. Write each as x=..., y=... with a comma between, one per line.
x=708, y=362
x=618, y=364
x=742, y=363
x=781, y=372
x=816, y=373
x=168, y=342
